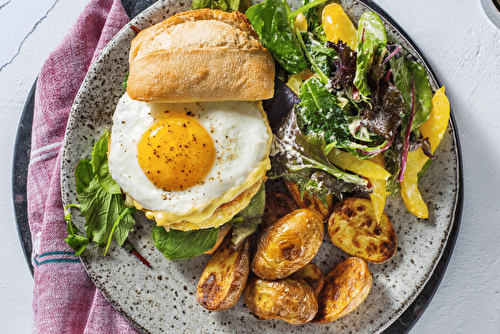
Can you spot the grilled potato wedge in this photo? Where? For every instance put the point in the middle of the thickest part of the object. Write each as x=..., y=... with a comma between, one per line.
x=306, y=202
x=224, y=278
x=313, y=275
x=288, y=299
x=353, y=228
x=288, y=245
x=346, y=287
x=277, y=205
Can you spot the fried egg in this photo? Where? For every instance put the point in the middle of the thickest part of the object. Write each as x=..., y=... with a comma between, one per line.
x=180, y=162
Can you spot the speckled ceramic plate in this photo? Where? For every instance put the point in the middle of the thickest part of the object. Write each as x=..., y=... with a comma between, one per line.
x=162, y=298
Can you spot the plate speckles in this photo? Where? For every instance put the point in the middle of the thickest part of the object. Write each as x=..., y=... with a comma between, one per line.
x=162, y=298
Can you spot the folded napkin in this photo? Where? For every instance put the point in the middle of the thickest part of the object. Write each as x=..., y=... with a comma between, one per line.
x=65, y=300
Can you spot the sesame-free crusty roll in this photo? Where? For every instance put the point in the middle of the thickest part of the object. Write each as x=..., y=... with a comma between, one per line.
x=200, y=55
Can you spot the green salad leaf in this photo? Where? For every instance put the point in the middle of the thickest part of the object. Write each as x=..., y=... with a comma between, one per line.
x=271, y=22
x=225, y=5
x=372, y=41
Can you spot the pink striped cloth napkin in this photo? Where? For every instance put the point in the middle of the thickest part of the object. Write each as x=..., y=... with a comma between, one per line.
x=64, y=299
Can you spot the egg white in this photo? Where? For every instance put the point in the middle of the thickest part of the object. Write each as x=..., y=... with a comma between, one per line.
x=241, y=136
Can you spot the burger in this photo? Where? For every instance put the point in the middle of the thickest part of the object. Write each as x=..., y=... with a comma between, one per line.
x=190, y=140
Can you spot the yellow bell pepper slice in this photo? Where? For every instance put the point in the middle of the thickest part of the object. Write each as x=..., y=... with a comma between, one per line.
x=434, y=128
x=365, y=168
x=338, y=25
x=379, y=194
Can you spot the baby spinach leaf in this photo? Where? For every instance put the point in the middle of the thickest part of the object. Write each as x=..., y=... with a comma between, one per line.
x=251, y=217
x=270, y=20
x=176, y=245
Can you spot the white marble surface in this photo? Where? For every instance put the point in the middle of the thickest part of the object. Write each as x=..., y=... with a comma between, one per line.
x=463, y=47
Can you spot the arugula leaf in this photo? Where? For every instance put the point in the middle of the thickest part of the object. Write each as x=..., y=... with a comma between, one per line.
x=271, y=22
x=101, y=203
x=177, y=245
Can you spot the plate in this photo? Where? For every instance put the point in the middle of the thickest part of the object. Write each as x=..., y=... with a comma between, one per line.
x=162, y=298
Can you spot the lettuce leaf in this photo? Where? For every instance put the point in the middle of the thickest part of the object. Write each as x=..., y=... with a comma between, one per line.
x=177, y=245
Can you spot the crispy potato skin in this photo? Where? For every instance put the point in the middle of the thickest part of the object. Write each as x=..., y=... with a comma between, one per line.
x=306, y=202
x=287, y=299
x=313, y=275
x=287, y=245
x=224, y=278
x=346, y=287
x=278, y=205
x=353, y=228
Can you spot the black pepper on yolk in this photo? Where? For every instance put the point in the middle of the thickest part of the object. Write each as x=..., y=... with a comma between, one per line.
x=176, y=152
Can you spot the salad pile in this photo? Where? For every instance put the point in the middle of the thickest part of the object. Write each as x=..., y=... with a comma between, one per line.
x=366, y=118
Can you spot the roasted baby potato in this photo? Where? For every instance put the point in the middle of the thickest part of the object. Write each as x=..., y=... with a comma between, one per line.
x=277, y=206
x=346, y=287
x=353, y=228
x=313, y=275
x=287, y=299
x=305, y=201
x=287, y=245
x=224, y=278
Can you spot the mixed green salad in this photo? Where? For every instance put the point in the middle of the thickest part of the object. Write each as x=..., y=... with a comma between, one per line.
x=361, y=116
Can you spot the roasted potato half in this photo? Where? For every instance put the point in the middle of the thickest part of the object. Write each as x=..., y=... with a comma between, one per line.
x=305, y=201
x=278, y=205
x=313, y=275
x=287, y=245
x=287, y=299
x=346, y=287
x=353, y=228
x=224, y=278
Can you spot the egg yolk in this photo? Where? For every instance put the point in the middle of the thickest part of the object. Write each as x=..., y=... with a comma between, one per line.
x=176, y=152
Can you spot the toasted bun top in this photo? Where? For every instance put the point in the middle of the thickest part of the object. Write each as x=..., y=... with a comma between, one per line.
x=200, y=55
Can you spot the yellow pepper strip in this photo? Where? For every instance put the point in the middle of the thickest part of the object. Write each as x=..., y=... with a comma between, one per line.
x=434, y=128
x=365, y=168
x=379, y=193
x=300, y=23
x=338, y=25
